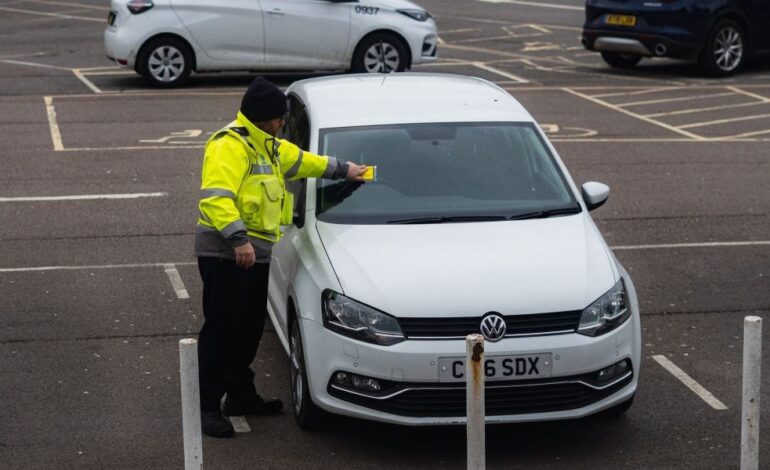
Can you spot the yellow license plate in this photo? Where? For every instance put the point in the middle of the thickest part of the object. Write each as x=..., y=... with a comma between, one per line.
x=620, y=20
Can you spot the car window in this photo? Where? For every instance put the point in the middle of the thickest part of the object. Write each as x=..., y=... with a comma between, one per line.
x=444, y=170
x=297, y=131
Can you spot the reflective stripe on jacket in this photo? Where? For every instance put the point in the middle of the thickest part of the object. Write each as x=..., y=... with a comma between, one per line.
x=243, y=191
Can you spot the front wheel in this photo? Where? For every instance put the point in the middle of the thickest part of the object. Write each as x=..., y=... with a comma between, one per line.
x=165, y=62
x=725, y=49
x=306, y=413
x=621, y=60
x=380, y=53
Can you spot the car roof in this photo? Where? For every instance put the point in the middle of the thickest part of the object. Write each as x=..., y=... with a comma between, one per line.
x=368, y=99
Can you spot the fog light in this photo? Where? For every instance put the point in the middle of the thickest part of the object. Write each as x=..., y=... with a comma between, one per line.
x=366, y=383
x=614, y=371
x=359, y=382
x=342, y=378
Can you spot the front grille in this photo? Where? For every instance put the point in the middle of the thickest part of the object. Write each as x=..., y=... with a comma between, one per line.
x=501, y=398
x=516, y=325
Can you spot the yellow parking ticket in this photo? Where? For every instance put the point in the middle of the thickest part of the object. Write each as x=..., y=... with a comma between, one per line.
x=370, y=174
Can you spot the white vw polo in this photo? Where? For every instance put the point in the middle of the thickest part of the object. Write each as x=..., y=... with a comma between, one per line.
x=472, y=224
x=165, y=40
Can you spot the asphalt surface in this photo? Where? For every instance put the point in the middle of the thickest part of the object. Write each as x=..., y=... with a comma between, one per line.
x=89, y=321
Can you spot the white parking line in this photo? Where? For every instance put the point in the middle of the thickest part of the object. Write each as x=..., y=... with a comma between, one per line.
x=635, y=92
x=91, y=267
x=515, y=78
x=635, y=115
x=669, y=100
x=725, y=121
x=56, y=15
x=697, y=388
x=240, y=424
x=537, y=4
x=701, y=110
x=176, y=281
x=691, y=245
x=34, y=64
x=84, y=197
x=80, y=76
x=69, y=4
x=53, y=124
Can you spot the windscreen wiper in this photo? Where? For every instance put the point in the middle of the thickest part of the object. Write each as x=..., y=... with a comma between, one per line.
x=546, y=213
x=443, y=219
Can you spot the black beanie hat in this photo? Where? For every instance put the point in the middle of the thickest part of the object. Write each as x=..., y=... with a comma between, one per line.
x=263, y=101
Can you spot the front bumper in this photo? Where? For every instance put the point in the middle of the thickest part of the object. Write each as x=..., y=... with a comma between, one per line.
x=423, y=400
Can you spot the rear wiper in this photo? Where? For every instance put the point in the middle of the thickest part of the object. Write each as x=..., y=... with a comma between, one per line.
x=545, y=214
x=441, y=220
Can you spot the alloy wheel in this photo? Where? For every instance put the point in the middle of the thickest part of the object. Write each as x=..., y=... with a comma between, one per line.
x=166, y=64
x=728, y=49
x=381, y=57
x=297, y=374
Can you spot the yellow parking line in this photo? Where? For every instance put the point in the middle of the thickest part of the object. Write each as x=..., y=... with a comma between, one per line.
x=637, y=116
x=724, y=121
x=638, y=92
x=668, y=100
x=700, y=110
x=748, y=134
x=748, y=93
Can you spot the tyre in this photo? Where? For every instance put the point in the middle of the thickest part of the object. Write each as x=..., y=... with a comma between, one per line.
x=380, y=53
x=725, y=49
x=620, y=408
x=306, y=413
x=165, y=62
x=620, y=60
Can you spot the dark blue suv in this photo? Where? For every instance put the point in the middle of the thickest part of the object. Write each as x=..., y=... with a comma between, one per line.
x=719, y=34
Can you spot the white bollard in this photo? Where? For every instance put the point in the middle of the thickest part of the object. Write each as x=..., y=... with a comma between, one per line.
x=191, y=406
x=474, y=377
x=752, y=369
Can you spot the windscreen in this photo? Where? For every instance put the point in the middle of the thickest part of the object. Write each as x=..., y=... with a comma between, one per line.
x=442, y=172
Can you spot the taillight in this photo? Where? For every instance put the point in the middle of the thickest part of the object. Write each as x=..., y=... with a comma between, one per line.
x=139, y=6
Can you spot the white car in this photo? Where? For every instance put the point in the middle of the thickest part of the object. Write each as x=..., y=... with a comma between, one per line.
x=472, y=224
x=165, y=40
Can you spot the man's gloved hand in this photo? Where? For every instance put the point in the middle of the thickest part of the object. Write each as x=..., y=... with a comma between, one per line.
x=355, y=172
x=245, y=256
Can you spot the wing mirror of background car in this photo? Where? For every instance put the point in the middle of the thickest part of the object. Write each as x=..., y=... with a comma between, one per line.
x=595, y=194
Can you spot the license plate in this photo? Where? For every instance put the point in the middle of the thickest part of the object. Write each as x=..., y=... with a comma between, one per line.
x=620, y=20
x=111, y=18
x=531, y=366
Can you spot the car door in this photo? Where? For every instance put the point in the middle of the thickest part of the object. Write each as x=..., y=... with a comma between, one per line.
x=230, y=32
x=306, y=34
x=758, y=11
x=285, y=258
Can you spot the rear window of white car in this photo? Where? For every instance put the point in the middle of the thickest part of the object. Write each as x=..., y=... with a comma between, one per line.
x=443, y=172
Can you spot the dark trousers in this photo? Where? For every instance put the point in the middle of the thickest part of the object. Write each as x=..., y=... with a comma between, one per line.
x=234, y=309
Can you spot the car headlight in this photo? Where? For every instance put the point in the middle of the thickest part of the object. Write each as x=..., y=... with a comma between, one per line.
x=419, y=15
x=607, y=313
x=358, y=321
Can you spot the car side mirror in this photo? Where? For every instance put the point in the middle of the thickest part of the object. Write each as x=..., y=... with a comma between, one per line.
x=595, y=194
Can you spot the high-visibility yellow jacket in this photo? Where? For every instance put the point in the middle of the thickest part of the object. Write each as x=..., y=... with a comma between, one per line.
x=243, y=191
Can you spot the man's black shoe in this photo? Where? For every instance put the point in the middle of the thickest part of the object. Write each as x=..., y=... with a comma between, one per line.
x=216, y=425
x=255, y=405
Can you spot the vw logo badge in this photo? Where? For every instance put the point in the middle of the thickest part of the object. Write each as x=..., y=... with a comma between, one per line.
x=493, y=327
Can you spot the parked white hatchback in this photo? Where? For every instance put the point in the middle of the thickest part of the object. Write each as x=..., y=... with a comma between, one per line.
x=472, y=224
x=165, y=40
